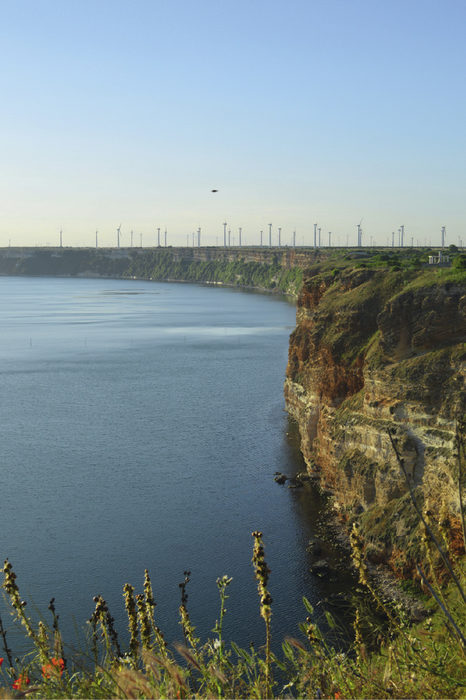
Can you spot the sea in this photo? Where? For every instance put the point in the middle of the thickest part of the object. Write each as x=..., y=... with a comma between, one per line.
x=141, y=427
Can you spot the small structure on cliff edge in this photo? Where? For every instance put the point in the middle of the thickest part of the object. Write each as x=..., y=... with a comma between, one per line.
x=439, y=259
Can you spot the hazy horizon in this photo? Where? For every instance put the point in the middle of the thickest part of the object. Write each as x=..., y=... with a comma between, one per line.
x=300, y=112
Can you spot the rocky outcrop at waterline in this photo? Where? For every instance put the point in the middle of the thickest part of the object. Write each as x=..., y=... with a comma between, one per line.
x=373, y=350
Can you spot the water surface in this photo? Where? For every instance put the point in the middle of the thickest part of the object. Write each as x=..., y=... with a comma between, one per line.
x=141, y=427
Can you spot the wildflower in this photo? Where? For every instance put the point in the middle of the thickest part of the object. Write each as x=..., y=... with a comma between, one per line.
x=224, y=581
x=21, y=681
x=102, y=615
x=130, y=605
x=124, y=661
x=357, y=555
x=1, y=660
x=56, y=668
x=262, y=575
x=144, y=622
x=262, y=572
x=337, y=695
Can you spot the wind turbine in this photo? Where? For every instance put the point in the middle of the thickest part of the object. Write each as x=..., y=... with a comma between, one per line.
x=360, y=233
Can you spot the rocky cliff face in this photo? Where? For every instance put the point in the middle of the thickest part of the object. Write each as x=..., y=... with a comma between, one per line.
x=56, y=260
x=271, y=269
x=373, y=350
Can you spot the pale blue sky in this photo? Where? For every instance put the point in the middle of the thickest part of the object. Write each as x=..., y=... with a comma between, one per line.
x=297, y=111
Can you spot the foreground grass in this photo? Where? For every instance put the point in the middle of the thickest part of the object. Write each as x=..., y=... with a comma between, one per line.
x=424, y=661
x=417, y=661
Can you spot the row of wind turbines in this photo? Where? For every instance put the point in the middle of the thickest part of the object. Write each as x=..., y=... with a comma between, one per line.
x=161, y=237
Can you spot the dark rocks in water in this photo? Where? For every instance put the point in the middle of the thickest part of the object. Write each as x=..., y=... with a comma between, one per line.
x=320, y=567
x=314, y=547
x=303, y=476
x=295, y=483
x=314, y=476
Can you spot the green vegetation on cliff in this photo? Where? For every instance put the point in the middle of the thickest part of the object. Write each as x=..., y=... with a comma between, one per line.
x=164, y=265
x=62, y=262
x=381, y=347
x=278, y=270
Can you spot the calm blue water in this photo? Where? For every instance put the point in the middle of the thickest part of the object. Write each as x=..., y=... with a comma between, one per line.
x=141, y=425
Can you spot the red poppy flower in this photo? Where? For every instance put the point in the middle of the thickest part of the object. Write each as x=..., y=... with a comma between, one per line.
x=47, y=670
x=60, y=663
x=1, y=660
x=21, y=681
x=55, y=668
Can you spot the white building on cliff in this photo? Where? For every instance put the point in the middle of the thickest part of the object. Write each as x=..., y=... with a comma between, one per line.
x=439, y=259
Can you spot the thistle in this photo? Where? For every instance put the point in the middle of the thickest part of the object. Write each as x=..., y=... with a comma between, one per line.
x=222, y=584
x=43, y=640
x=12, y=591
x=102, y=615
x=149, y=594
x=150, y=607
x=130, y=606
x=312, y=634
x=58, y=642
x=262, y=576
x=357, y=554
x=262, y=572
x=186, y=624
x=143, y=619
x=358, y=639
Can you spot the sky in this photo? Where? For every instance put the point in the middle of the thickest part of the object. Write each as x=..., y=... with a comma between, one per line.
x=298, y=112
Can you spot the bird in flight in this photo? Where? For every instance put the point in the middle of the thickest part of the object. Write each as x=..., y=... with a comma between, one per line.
x=214, y=190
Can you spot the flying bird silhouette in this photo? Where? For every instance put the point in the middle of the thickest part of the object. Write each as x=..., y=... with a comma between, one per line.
x=214, y=190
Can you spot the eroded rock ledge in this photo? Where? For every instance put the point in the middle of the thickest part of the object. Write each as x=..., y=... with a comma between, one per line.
x=372, y=350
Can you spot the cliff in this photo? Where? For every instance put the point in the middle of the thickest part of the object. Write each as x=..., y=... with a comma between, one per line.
x=375, y=349
x=271, y=269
